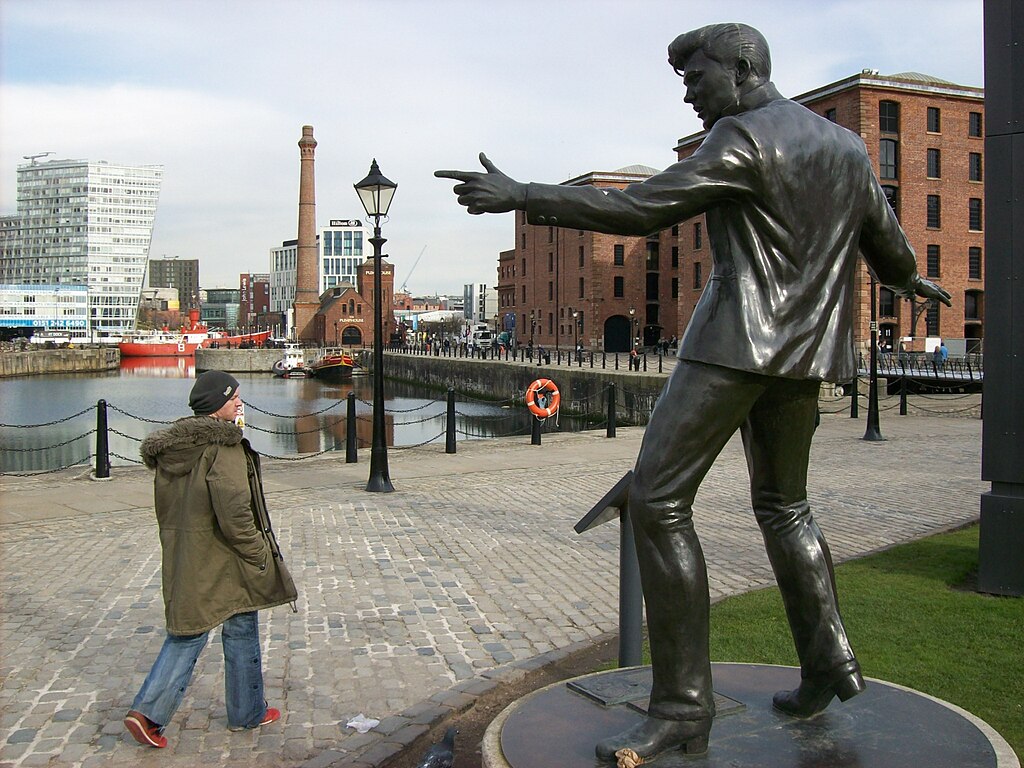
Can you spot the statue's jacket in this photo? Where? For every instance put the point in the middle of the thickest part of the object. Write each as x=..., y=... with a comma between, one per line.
x=791, y=199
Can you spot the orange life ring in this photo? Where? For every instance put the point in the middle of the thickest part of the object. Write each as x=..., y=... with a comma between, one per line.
x=548, y=388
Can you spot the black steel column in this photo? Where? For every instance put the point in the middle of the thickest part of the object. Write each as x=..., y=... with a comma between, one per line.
x=351, y=438
x=1001, y=549
x=102, y=449
x=872, y=433
x=380, y=478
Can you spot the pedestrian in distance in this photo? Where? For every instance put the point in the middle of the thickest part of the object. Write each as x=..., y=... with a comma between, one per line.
x=221, y=561
x=775, y=320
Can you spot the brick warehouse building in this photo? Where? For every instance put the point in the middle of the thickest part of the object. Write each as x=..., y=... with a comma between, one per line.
x=926, y=139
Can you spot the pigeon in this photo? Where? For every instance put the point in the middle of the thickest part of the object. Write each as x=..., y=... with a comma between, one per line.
x=442, y=754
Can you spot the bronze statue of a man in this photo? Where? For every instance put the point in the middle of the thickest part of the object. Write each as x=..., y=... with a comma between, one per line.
x=790, y=200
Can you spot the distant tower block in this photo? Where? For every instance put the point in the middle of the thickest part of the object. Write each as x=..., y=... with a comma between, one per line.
x=307, y=294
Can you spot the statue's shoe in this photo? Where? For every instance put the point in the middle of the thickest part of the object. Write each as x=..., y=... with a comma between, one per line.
x=815, y=692
x=654, y=735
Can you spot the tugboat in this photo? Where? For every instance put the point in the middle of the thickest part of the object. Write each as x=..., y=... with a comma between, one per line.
x=292, y=365
x=333, y=365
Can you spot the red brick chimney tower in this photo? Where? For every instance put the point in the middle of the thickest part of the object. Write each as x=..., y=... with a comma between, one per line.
x=307, y=289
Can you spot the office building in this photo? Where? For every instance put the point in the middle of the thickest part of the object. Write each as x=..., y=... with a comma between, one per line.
x=180, y=274
x=83, y=223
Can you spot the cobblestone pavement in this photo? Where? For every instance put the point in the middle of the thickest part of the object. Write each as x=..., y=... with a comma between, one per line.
x=411, y=603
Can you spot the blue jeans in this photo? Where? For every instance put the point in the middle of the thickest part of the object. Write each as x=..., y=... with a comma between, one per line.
x=165, y=685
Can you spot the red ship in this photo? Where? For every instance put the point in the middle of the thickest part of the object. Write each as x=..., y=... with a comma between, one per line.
x=185, y=342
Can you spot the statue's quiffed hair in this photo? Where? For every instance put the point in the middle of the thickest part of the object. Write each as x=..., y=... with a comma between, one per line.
x=725, y=43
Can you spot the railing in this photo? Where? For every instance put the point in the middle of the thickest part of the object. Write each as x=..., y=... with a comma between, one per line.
x=645, y=361
x=602, y=410
x=922, y=365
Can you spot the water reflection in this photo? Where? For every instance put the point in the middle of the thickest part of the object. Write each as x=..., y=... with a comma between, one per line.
x=49, y=422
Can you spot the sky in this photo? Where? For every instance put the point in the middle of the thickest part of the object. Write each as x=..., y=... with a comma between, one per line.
x=217, y=92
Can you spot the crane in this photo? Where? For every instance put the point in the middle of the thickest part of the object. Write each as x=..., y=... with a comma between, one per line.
x=405, y=283
x=35, y=157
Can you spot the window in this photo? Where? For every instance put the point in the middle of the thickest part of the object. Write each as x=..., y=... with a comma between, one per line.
x=934, y=164
x=698, y=236
x=974, y=214
x=886, y=302
x=675, y=257
x=620, y=287
x=974, y=125
x=934, y=213
x=933, y=266
x=830, y=114
x=524, y=294
x=652, y=286
x=974, y=263
x=972, y=305
x=887, y=159
x=974, y=166
x=551, y=262
x=581, y=287
x=892, y=196
x=581, y=255
x=551, y=290
x=675, y=230
x=934, y=120
x=932, y=319
x=652, y=254
x=888, y=117
x=620, y=254
x=675, y=287
x=696, y=275
x=522, y=241
x=551, y=234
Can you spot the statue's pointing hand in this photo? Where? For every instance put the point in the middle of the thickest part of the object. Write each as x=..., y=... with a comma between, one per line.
x=929, y=290
x=490, y=192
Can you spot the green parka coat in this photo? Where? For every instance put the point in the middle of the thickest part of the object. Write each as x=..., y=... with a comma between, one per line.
x=220, y=556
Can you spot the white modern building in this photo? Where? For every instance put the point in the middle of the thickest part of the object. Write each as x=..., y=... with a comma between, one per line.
x=339, y=250
x=28, y=310
x=480, y=304
x=84, y=223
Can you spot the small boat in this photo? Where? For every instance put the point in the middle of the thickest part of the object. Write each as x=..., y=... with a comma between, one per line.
x=292, y=365
x=333, y=366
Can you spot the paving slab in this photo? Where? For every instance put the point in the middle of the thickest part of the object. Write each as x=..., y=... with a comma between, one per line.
x=410, y=602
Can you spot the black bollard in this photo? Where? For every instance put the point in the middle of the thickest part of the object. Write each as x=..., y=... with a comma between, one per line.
x=449, y=439
x=903, y=396
x=611, y=411
x=351, y=454
x=102, y=447
x=535, y=431
x=853, y=398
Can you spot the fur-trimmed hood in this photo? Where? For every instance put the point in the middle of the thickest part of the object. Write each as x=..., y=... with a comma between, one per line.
x=178, y=447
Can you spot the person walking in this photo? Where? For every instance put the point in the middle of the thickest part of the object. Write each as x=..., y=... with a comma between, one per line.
x=221, y=561
x=775, y=320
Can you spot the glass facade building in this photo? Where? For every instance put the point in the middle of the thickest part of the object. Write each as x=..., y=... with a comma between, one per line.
x=84, y=223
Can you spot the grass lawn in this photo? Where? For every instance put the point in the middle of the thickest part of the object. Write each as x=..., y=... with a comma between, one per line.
x=912, y=619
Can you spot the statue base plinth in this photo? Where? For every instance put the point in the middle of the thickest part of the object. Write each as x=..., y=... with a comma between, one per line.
x=887, y=726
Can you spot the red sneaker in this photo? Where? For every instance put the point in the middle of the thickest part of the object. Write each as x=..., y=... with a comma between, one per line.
x=272, y=716
x=144, y=730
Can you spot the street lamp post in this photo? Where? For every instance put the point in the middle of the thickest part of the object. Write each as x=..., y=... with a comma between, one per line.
x=335, y=333
x=873, y=433
x=634, y=339
x=375, y=193
x=576, y=334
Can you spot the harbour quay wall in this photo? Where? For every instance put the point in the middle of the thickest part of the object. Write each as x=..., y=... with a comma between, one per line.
x=40, y=362
x=237, y=360
x=581, y=389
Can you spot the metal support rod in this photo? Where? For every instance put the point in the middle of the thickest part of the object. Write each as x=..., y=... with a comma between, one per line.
x=380, y=477
x=631, y=596
x=449, y=439
x=351, y=441
x=102, y=446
